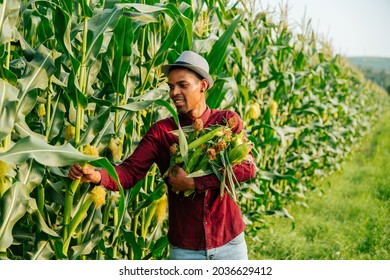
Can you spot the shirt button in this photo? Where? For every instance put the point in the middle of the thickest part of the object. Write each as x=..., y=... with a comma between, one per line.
x=205, y=223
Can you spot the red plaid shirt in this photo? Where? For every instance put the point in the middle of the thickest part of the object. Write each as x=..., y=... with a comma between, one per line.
x=199, y=222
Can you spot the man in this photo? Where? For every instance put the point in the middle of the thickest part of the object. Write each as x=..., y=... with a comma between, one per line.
x=203, y=226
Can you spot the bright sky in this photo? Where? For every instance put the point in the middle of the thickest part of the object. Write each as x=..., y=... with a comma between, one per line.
x=355, y=27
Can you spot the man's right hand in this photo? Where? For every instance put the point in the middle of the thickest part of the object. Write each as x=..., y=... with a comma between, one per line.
x=87, y=174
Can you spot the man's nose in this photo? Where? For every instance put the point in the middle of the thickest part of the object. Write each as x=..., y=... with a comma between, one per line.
x=175, y=91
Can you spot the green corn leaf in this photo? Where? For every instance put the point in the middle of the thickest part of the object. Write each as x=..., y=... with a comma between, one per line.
x=62, y=28
x=214, y=95
x=44, y=251
x=57, y=117
x=8, y=105
x=135, y=106
x=48, y=155
x=9, y=20
x=218, y=54
x=45, y=154
x=8, y=76
x=123, y=36
x=182, y=138
x=100, y=29
x=87, y=247
x=30, y=175
x=218, y=92
x=87, y=12
x=131, y=239
x=269, y=176
x=160, y=245
x=40, y=220
x=158, y=192
x=37, y=72
x=13, y=206
x=23, y=130
x=95, y=125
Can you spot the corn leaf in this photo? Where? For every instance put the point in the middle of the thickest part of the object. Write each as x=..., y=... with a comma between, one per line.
x=57, y=117
x=182, y=138
x=132, y=241
x=159, y=246
x=87, y=247
x=9, y=20
x=100, y=29
x=123, y=36
x=43, y=153
x=13, y=206
x=44, y=251
x=95, y=125
x=8, y=105
x=218, y=54
x=37, y=72
x=157, y=193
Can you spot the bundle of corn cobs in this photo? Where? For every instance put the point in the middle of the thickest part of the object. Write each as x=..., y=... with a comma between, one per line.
x=214, y=149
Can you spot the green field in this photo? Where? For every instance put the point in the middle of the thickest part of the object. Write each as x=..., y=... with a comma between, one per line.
x=348, y=218
x=376, y=63
x=376, y=69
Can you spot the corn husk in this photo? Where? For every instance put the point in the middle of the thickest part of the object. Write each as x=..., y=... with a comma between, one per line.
x=214, y=149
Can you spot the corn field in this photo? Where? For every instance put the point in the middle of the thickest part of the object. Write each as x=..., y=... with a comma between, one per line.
x=80, y=82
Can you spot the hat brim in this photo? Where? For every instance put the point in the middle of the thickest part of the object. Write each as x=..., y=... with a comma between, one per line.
x=166, y=68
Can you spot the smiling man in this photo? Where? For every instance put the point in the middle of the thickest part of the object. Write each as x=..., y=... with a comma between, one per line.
x=202, y=226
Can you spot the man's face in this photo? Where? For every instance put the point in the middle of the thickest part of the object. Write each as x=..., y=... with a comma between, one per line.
x=186, y=90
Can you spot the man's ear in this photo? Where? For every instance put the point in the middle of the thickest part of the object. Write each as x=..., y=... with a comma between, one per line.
x=204, y=85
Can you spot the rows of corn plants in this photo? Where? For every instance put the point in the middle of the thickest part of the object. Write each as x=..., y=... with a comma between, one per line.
x=80, y=81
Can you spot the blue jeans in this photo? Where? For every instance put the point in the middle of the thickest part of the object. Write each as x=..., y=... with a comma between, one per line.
x=234, y=250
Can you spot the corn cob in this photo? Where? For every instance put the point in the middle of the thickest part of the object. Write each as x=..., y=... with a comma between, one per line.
x=238, y=153
x=194, y=158
x=203, y=163
x=70, y=131
x=41, y=110
x=217, y=132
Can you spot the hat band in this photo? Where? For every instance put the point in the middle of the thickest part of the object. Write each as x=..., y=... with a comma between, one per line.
x=182, y=62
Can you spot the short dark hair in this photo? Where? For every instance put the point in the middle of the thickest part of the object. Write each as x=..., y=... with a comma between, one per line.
x=197, y=75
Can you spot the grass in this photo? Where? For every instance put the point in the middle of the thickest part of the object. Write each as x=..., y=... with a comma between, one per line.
x=347, y=218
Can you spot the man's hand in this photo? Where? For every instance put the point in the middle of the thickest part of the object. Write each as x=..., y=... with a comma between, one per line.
x=179, y=181
x=86, y=174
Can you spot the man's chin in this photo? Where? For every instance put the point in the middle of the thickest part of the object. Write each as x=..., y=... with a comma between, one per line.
x=181, y=110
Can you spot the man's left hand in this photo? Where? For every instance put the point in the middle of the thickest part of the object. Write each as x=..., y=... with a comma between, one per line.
x=179, y=181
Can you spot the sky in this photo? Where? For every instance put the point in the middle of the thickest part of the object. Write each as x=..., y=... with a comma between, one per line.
x=354, y=27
